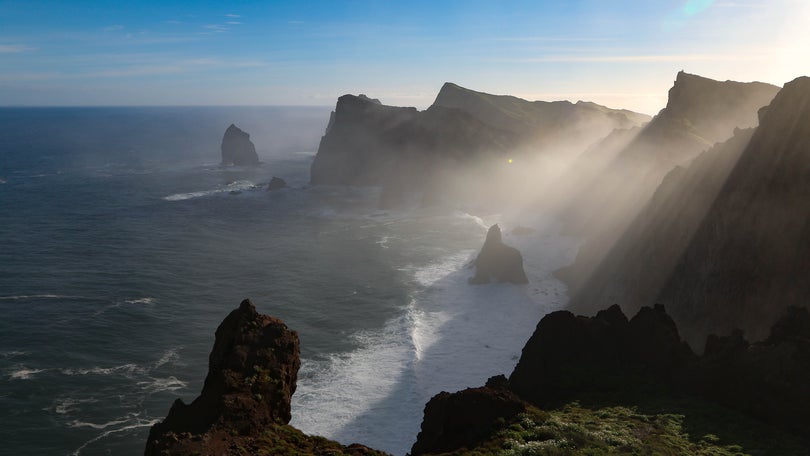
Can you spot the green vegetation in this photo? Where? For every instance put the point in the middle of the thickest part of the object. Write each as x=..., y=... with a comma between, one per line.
x=658, y=425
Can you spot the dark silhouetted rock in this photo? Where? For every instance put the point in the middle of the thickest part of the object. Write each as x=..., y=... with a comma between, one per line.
x=498, y=261
x=699, y=113
x=462, y=419
x=276, y=183
x=244, y=406
x=237, y=148
x=569, y=355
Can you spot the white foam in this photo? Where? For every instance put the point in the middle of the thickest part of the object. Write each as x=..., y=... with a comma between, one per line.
x=140, y=301
x=124, y=368
x=24, y=373
x=76, y=423
x=233, y=186
x=63, y=406
x=451, y=336
x=156, y=385
x=137, y=423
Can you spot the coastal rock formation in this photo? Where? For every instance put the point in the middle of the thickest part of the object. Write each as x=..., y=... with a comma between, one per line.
x=245, y=401
x=569, y=355
x=237, y=148
x=367, y=143
x=721, y=243
x=747, y=260
x=498, y=261
x=276, y=183
x=462, y=419
x=699, y=113
x=606, y=357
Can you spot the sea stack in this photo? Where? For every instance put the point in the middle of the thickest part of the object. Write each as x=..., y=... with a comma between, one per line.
x=276, y=183
x=498, y=261
x=237, y=148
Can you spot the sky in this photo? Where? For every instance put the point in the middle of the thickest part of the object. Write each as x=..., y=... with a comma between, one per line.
x=622, y=54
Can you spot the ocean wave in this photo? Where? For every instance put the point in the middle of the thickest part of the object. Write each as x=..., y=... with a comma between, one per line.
x=40, y=296
x=12, y=354
x=156, y=385
x=63, y=406
x=232, y=187
x=125, y=368
x=24, y=373
x=134, y=423
x=76, y=424
x=140, y=301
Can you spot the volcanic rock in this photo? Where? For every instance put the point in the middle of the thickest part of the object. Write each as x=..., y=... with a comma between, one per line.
x=237, y=148
x=499, y=261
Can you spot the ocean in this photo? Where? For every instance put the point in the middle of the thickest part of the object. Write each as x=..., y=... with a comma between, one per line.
x=124, y=243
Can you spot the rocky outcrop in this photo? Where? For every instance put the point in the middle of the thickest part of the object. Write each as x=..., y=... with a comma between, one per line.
x=245, y=401
x=237, y=148
x=463, y=419
x=699, y=113
x=570, y=355
x=607, y=356
x=276, y=183
x=498, y=261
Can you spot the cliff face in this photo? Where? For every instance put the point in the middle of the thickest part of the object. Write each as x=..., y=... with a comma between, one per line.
x=699, y=113
x=636, y=268
x=245, y=401
x=237, y=148
x=748, y=258
x=367, y=143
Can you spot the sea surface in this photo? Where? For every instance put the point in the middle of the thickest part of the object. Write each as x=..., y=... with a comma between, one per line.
x=124, y=243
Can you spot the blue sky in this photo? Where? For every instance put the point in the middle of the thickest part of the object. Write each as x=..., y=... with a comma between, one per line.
x=621, y=54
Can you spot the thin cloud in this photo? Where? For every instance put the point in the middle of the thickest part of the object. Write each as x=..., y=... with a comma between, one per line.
x=642, y=58
x=233, y=23
x=216, y=28
x=14, y=48
x=113, y=28
x=233, y=15
x=554, y=39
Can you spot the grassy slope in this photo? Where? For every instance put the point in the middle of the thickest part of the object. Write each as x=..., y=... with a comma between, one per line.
x=656, y=425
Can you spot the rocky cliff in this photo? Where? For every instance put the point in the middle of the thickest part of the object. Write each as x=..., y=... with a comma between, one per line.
x=699, y=113
x=747, y=260
x=368, y=143
x=244, y=406
x=237, y=148
x=608, y=359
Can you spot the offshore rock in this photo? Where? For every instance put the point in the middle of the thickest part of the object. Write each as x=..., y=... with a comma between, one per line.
x=499, y=261
x=237, y=148
x=276, y=183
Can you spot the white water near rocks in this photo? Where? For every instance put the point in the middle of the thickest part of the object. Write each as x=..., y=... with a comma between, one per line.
x=450, y=336
x=117, y=267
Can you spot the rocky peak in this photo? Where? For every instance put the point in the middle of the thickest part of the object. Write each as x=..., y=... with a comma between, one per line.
x=252, y=372
x=498, y=261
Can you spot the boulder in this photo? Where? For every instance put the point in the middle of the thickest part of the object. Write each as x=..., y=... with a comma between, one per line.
x=498, y=261
x=276, y=183
x=237, y=148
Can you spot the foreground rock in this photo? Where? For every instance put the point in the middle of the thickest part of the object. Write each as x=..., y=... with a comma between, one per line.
x=237, y=148
x=498, y=261
x=244, y=406
x=607, y=360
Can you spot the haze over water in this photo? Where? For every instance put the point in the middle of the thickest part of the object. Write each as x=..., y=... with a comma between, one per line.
x=125, y=244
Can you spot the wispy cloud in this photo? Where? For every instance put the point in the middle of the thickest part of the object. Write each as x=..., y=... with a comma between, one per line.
x=216, y=28
x=644, y=58
x=233, y=15
x=15, y=48
x=554, y=39
x=234, y=23
x=113, y=28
